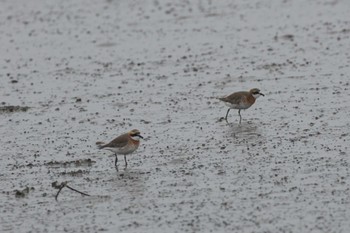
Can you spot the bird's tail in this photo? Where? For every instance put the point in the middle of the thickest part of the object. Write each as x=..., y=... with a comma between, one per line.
x=100, y=145
x=222, y=98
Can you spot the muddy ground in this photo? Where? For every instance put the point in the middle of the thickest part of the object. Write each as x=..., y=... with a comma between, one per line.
x=76, y=72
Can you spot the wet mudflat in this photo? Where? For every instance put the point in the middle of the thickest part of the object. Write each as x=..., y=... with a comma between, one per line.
x=77, y=72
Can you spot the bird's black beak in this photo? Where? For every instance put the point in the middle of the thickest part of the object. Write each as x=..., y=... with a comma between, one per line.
x=140, y=136
x=262, y=94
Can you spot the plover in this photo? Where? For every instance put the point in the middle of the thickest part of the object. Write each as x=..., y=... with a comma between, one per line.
x=241, y=100
x=124, y=144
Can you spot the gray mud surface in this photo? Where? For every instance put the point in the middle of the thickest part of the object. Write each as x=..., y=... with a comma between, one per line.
x=87, y=71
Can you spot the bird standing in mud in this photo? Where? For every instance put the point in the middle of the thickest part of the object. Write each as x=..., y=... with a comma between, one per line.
x=241, y=100
x=124, y=144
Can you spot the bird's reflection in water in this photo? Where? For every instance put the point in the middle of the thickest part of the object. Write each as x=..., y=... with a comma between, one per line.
x=247, y=131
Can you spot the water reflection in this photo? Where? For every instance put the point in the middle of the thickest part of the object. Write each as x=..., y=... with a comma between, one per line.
x=247, y=131
x=131, y=180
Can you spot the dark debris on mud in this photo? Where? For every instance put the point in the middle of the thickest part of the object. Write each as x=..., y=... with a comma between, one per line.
x=11, y=109
x=79, y=162
x=24, y=192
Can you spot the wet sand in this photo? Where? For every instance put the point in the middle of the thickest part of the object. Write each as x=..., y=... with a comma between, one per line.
x=77, y=72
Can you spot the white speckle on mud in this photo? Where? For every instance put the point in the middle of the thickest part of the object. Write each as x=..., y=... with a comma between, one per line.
x=91, y=70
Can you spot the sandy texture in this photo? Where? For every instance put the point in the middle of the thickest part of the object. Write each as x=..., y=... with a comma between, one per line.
x=77, y=72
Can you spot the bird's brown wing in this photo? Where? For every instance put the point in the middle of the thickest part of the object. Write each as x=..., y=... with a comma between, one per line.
x=120, y=141
x=234, y=98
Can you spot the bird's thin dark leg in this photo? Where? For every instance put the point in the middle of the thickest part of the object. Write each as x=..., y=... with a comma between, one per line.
x=227, y=114
x=240, y=117
x=116, y=162
x=126, y=163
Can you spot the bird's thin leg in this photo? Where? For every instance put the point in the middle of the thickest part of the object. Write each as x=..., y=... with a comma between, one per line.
x=227, y=114
x=116, y=162
x=126, y=163
x=240, y=117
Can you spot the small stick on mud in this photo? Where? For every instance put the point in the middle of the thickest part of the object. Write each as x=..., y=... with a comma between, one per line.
x=64, y=184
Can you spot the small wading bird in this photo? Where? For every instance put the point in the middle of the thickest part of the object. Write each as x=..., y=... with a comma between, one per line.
x=241, y=100
x=124, y=144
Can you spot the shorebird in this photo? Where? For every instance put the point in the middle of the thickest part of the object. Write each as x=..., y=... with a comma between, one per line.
x=241, y=100
x=125, y=144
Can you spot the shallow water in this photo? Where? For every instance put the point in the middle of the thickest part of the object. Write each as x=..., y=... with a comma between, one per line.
x=89, y=71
